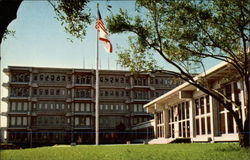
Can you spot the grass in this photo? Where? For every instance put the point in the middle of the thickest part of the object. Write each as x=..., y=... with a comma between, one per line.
x=220, y=151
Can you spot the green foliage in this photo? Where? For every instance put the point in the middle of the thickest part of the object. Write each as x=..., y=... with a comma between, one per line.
x=186, y=32
x=74, y=15
x=8, y=33
x=131, y=152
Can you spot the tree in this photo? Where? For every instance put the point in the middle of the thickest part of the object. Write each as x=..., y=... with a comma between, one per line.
x=186, y=32
x=74, y=15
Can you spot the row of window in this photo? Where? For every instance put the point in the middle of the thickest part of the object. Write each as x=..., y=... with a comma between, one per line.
x=113, y=93
x=51, y=106
x=19, y=92
x=82, y=107
x=49, y=92
x=18, y=121
x=112, y=122
x=179, y=112
x=137, y=120
x=202, y=105
x=86, y=79
x=113, y=80
x=18, y=106
x=82, y=121
x=20, y=77
x=139, y=108
x=113, y=107
x=83, y=93
x=50, y=120
x=83, y=79
x=51, y=77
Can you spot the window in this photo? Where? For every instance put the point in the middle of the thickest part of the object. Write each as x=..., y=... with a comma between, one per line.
x=87, y=121
x=203, y=130
x=87, y=107
x=57, y=106
x=208, y=125
x=47, y=78
x=197, y=126
x=25, y=121
x=35, y=91
x=13, y=121
x=117, y=93
x=25, y=106
x=117, y=107
x=35, y=77
x=122, y=80
x=40, y=92
x=69, y=78
x=51, y=106
x=101, y=107
x=111, y=106
x=230, y=123
x=82, y=106
x=19, y=121
x=197, y=107
x=77, y=107
x=52, y=77
x=135, y=108
x=187, y=109
x=46, y=106
x=106, y=107
x=41, y=77
x=222, y=123
x=57, y=92
x=63, y=106
x=237, y=93
x=202, y=105
x=63, y=78
x=122, y=107
x=139, y=108
x=208, y=104
x=46, y=92
x=52, y=92
x=19, y=106
x=13, y=106
x=76, y=121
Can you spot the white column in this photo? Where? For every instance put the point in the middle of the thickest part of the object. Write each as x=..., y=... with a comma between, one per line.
x=165, y=122
x=214, y=106
x=155, y=125
x=192, y=118
x=211, y=117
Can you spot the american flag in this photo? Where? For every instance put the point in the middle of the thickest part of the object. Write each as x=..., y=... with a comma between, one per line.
x=103, y=33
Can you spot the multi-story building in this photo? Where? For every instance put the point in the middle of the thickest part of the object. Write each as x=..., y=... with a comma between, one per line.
x=188, y=113
x=56, y=105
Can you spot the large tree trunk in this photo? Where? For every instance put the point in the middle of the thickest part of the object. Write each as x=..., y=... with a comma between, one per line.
x=8, y=12
x=245, y=134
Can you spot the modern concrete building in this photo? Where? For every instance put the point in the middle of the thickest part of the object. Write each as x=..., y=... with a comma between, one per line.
x=187, y=112
x=56, y=105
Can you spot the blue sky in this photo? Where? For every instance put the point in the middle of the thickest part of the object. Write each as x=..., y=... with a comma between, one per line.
x=41, y=41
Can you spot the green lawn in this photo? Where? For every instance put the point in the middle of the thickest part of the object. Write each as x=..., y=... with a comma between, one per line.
x=131, y=152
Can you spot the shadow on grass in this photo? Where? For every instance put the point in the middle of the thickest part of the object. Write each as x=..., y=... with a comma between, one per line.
x=229, y=148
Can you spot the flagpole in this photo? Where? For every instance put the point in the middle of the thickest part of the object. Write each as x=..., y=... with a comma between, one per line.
x=97, y=88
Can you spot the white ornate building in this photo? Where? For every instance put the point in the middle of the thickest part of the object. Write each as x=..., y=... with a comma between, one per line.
x=187, y=112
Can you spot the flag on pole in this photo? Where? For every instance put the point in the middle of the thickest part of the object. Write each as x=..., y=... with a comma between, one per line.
x=103, y=33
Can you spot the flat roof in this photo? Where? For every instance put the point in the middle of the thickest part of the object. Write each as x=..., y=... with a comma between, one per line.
x=186, y=84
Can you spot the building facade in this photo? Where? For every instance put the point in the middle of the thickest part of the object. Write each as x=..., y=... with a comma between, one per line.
x=187, y=112
x=56, y=105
